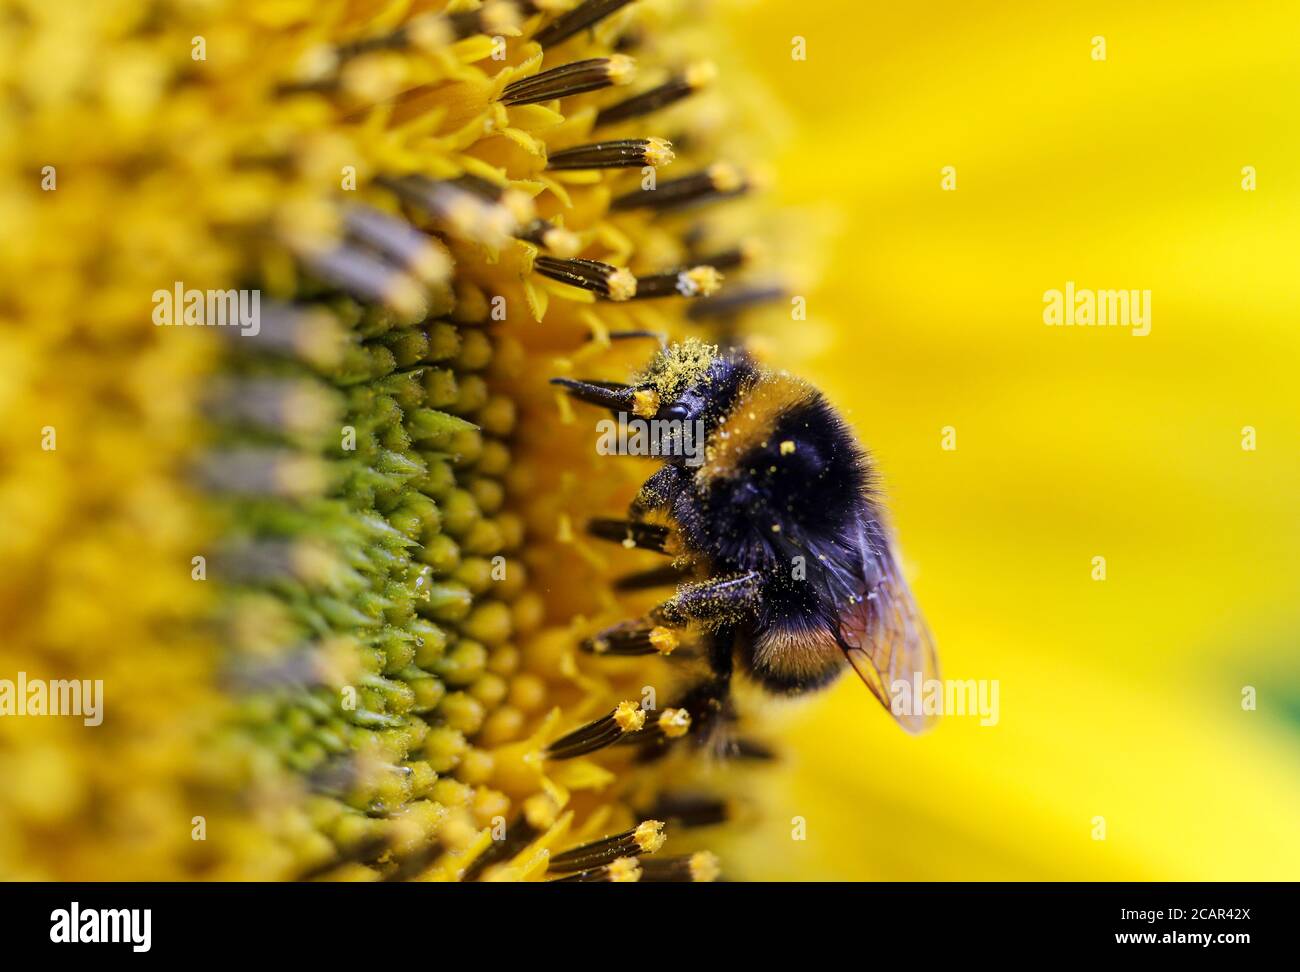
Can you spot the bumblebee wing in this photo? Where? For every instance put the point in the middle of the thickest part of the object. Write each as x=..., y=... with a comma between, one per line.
x=881, y=630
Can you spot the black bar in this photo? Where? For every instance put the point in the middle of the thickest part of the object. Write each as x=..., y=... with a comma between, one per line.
x=875, y=922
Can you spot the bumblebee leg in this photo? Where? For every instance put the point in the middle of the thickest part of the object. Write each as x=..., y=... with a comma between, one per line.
x=658, y=491
x=720, y=599
x=724, y=600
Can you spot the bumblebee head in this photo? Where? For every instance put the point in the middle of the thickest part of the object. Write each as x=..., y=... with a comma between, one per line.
x=682, y=372
x=684, y=384
x=675, y=385
x=693, y=382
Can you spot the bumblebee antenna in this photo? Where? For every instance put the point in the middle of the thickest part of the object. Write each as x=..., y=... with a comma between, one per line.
x=617, y=398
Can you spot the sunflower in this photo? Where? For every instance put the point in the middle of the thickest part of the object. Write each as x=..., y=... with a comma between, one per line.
x=330, y=560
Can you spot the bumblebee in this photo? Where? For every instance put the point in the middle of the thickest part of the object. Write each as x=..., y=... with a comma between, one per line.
x=778, y=543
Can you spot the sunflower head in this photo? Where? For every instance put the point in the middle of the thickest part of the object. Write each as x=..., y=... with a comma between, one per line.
x=333, y=564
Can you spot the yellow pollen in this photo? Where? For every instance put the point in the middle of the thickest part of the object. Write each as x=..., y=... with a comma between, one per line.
x=317, y=64
x=752, y=249
x=629, y=716
x=680, y=365
x=622, y=285
x=497, y=225
x=705, y=867
x=621, y=69
x=787, y=447
x=433, y=263
x=564, y=529
x=373, y=77
x=726, y=177
x=702, y=281
x=658, y=152
x=664, y=641
x=405, y=295
x=701, y=73
x=429, y=32
x=501, y=18
x=540, y=811
x=645, y=402
x=625, y=870
x=675, y=723
x=649, y=836
x=299, y=476
x=463, y=214
x=520, y=205
x=562, y=243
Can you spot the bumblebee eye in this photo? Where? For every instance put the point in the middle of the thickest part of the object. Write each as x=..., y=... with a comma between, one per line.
x=676, y=413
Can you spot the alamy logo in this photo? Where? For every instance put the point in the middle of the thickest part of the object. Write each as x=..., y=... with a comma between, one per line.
x=131, y=925
x=946, y=697
x=56, y=697
x=651, y=437
x=208, y=308
x=1101, y=308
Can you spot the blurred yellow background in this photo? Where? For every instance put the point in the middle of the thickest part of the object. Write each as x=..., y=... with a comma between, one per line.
x=1121, y=698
